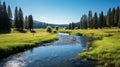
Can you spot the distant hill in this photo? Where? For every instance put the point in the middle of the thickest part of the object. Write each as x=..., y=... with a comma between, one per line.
x=39, y=24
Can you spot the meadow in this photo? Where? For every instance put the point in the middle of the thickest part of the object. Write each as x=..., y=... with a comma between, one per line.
x=15, y=41
x=104, y=50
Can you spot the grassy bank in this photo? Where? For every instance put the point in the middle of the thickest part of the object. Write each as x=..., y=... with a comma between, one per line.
x=105, y=50
x=15, y=41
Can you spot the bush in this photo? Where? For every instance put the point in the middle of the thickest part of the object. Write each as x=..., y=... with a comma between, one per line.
x=49, y=29
x=54, y=31
x=56, y=28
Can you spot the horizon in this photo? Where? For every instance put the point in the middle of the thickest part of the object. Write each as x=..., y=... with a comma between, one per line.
x=61, y=11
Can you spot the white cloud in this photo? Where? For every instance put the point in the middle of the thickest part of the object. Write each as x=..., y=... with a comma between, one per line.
x=42, y=17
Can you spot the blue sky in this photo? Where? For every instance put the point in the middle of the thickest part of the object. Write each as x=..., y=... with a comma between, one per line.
x=61, y=11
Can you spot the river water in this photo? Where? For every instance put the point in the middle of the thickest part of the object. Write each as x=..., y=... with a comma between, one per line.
x=61, y=53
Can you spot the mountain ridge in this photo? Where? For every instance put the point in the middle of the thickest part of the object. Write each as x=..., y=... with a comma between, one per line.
x=40, y=24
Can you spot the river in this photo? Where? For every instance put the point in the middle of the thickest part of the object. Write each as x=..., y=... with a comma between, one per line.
x=61, y=53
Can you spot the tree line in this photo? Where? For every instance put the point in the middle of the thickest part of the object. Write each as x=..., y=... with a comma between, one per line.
x=112, y=19
x=18, y=23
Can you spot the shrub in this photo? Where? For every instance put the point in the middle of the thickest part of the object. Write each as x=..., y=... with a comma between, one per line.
x=56, y=28
x=49, y=29
x=54, y=31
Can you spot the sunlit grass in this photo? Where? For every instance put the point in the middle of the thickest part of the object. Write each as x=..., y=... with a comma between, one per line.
x=105, y=50
x=16, y=41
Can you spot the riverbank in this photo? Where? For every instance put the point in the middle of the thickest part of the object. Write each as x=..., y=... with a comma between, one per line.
x=60, y=53
x=105, y=50
x=15, y=41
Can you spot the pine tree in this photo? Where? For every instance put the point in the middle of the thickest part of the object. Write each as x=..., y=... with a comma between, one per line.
x=95, y=21
x=20, y=19
x=81, y=24
x=1, y=16
x=69, y=26
x=118, y=10
x=10, y=15
x=26, y=22
x=115, y=18
x=84, y=23
x=89, y=19
x=73, y=25
x=105, y=23
x=108, y=20
x=30, y=22
x=16, y=19
x=9, y=12
x=119, y=20
x=78, y=25
x=6, y=20
x=101, y=20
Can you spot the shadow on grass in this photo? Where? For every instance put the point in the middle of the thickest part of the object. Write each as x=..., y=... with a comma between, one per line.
x=22, y=31
x=32, y=31
x=5, y=31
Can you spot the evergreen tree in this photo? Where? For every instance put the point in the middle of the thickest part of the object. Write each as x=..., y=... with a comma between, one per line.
x=4, y=7
x=101, y=20
x=119, y=20
x=26, y=22
x=105, y=23
x=117, y=16
x=69, y=26
x=78, y=25
x=6, y=20
x=16, y=19
x=9, y=12
x=10, y=15
x=112, y=22
x=20, y=19
x=108, y=20
x=73, y=25
x=95, y=21
x=89, y=19
x=81, y=24
x=92, y=23
x=84, y=23
x=1, y=16
x=30, y=22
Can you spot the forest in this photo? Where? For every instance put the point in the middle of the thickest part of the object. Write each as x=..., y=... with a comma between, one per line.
x=95, y=21
x=18, y=23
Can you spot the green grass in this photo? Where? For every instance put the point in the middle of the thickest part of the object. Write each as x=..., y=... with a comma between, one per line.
x=15, y=41
x=105, y=50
